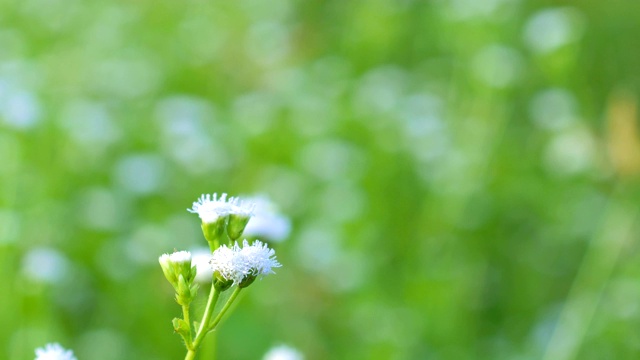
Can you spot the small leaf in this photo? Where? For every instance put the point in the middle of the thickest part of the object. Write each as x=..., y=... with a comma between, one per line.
x=181, y=327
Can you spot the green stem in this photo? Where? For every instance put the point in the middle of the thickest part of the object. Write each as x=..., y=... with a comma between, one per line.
x=185, y=316
x=204, y=324
x=224, y=309
x=191, y=354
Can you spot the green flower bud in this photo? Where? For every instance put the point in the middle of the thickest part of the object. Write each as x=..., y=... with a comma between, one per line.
x=236, y=225
x=176, y=265
x=183, y=293
x=220, y=283
x=214, y=231
x=214, y=213
x=248, y=280
x=168, y=269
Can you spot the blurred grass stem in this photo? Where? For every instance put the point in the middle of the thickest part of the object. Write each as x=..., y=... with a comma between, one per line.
x=591, y=281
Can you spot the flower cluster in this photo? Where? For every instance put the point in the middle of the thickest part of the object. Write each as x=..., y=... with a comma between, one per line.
x=54, y=351
x=241, y=265
x=210, y=208
x=220, y=216
x=223, y=223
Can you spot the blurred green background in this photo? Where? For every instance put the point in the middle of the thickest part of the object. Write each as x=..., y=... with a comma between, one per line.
x=460, y=175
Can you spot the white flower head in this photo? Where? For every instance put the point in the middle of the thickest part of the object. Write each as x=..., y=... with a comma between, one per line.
x=283, y=352
x=241, y=207
x=210, y=208
x=180, y=257
x=259, y=257
x=229, y=263
x=54, y=351
x=175, y=259
x=236, y=263
x=176, y=264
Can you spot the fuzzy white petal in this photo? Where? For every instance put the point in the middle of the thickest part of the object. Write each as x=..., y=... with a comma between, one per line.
x=180, y=257
x=235, y=262
x=260, y=258
x=210, y=207
x=54, y=351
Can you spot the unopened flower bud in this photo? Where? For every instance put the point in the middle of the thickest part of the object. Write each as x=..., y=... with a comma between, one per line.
x=248, y=280
x=220, y=214
x=183, y=294
x=214, y=231
x=236, y=225
x=220, y=283
x=176, y=265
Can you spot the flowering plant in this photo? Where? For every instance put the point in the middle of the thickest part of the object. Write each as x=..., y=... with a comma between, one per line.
x=223, y=222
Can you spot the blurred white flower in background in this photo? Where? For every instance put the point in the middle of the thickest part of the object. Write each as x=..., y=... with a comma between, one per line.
x=140, y=174
x=54, y=351
x=267, y=222
x=89, y=124
x=21, y=109
x=283, y=352
x=550, y=29
x=200, y=258
x=554, y=109
x=46, y=265
x=190, y=135
x=571, y=152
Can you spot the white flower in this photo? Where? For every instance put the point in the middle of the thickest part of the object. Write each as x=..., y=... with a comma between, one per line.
x=266, y=221
x=260, y=259
x=178, y=257
x=236, y=263
x=176, y=264
x=242, y=208
x=54, y=351
x=229, y=262
x=209, y=208
x=283, y=352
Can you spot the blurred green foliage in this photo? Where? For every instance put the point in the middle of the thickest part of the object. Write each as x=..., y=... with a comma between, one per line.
x=460, y=174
